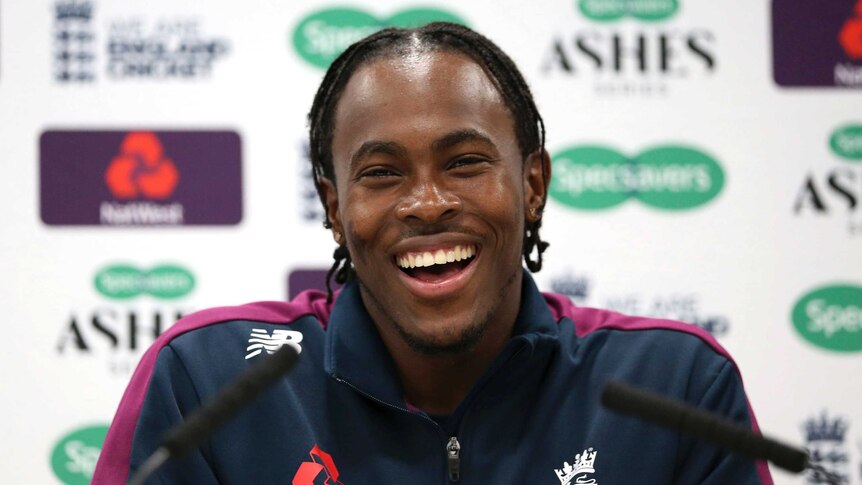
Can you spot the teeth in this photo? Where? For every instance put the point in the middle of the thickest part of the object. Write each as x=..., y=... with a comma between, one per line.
x=441, y=256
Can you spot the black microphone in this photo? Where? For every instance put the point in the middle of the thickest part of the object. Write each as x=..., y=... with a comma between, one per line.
x=707, y=426
x=180, y=439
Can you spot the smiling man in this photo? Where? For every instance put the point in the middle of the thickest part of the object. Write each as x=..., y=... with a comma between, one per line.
x=439, y=361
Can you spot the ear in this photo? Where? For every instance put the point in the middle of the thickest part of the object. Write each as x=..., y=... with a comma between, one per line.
x=537, y=178
x=330, y=195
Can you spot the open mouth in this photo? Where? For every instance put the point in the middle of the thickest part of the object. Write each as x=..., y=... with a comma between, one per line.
x=436, y=266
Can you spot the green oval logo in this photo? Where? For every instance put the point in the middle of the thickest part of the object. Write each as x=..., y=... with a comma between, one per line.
x=168, y=282
x=677, y=178
x=590, y=177
x=124, y=281
x=119, y=281
x=74, y=457
x=323, y=35
x=595, y=177
x=831, y=317
x=610, y=10
x=417, y=17
x=846, y=142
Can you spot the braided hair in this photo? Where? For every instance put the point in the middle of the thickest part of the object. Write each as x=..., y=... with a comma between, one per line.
x=436, y=36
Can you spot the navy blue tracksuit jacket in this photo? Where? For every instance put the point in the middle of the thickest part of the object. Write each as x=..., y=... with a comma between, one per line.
x=341, y=418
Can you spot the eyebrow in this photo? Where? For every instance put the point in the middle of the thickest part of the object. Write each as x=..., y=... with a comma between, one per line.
x=395, y=149
x=460, y=136
x=376, y=146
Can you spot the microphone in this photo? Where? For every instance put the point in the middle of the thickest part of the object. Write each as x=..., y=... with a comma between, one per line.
x=180, y=439
x=707, y=426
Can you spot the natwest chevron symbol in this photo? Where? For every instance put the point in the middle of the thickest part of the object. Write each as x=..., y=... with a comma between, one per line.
x=141, y=169
x=850, y=35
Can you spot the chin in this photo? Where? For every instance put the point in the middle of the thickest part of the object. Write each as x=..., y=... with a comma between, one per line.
x=448, y=341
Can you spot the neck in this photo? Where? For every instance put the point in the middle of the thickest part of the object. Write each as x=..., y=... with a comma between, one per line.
x=437, y=383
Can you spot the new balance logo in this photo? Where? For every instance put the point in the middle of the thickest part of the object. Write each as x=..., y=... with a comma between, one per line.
x=577, y=473
x=260, y=340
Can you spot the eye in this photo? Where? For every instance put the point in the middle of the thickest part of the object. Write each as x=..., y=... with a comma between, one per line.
x=377, y=172
x=470, y=165
x=466, y=162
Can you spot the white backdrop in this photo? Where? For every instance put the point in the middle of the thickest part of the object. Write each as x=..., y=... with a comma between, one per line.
x=786, y=221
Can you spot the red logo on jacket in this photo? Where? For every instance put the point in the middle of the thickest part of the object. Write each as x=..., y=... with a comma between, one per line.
x=321, y=461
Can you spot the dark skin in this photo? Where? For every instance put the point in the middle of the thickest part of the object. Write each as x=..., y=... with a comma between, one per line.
x=426, y=157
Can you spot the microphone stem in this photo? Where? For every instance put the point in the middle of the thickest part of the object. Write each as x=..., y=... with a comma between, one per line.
x=155, y=460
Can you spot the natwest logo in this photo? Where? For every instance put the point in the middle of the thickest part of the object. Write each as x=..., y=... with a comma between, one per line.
x=850, y=35
x=816, y=43
x=142, y=169
x=140, y=178
x=619, y=58
x=668, y=177
x=322, y=36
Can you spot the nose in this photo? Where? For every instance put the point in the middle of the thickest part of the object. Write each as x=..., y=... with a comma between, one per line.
x=428, y=202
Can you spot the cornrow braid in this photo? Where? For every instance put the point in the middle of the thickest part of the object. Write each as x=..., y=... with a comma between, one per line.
x=436, y=36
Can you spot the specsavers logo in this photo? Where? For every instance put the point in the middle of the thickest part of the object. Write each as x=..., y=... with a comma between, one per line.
x=321, y=36
x=74, y=456
x=125, y=281
x=846, y=141
x=610, y=10
x=830, y=317
x=669, y=177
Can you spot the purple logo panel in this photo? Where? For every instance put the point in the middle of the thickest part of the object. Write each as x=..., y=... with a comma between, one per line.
x=140, y=178
x=817, y=43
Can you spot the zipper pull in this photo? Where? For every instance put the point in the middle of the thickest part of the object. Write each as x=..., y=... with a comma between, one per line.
x=453, y=458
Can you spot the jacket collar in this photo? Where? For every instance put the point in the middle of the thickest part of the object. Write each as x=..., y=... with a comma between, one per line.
x=355, y=352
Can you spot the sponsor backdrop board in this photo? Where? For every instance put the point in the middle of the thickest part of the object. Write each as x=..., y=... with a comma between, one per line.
x=707, y=167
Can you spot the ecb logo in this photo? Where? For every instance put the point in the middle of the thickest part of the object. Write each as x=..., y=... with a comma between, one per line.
x=824, y=442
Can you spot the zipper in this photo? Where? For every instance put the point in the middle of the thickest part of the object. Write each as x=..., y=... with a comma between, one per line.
x=453, y=459
x=453, y=448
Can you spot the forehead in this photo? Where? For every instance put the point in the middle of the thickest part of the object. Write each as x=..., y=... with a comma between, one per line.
x=420, y=90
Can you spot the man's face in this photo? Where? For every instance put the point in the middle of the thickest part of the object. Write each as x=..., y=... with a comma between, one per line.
x=430, y=175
